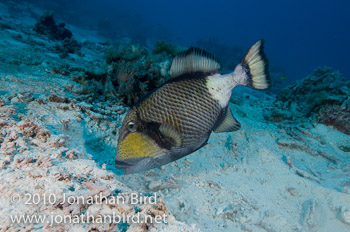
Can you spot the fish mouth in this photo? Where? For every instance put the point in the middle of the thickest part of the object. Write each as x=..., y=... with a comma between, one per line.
x=120, y=164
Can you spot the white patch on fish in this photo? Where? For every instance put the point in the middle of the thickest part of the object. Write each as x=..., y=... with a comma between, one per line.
x=220, y=87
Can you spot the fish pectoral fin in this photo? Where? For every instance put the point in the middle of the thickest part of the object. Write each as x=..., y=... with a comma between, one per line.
x=228, y=124
x=169, y=131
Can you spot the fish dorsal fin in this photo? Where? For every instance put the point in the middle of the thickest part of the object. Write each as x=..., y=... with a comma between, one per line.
x=194, y=60
x=169, y=131
x=228, y=123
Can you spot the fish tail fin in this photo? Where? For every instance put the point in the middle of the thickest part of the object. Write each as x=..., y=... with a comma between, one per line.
x=253, y=69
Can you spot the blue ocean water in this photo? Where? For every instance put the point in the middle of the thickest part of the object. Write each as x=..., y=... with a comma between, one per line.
x=300, y=35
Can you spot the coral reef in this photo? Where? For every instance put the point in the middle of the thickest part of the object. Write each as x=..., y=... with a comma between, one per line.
x=68, y=45
x=166, y=48
x=46, y=25
x=134, y=72
x=322, y=97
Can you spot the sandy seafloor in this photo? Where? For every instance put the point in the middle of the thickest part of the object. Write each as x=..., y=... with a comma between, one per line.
x=264, y=177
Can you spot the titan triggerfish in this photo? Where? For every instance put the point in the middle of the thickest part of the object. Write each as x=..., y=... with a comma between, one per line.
x=177, y=118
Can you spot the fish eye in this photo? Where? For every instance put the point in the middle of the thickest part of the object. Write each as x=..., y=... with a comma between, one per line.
x=131, y=126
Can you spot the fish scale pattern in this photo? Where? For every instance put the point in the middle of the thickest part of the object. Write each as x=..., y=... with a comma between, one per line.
x=187, y=106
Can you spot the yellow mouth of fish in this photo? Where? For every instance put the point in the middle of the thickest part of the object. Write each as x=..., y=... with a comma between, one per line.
x=137, y=145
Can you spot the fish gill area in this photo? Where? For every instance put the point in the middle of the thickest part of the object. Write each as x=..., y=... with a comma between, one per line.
x=64, y=94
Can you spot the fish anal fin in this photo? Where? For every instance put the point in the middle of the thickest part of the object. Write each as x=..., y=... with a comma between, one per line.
x=194, y=60
x=169, y=131
x=228, y=123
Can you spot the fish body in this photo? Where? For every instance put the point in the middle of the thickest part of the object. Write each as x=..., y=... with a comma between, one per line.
x=177, y=118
